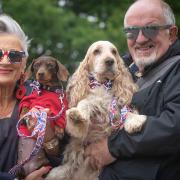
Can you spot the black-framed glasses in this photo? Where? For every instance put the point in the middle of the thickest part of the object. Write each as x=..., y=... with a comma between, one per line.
x=13, y=55
x=149, y=31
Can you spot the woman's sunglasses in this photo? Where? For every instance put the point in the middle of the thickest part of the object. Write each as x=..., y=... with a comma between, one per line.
x=13, y=55
x=149, y=32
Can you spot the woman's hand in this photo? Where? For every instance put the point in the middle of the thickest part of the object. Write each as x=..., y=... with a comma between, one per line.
x=37, y=174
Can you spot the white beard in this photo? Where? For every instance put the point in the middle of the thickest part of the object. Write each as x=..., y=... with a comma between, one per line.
x=144, y=61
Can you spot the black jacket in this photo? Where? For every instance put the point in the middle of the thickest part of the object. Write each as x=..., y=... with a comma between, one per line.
x=154, y=153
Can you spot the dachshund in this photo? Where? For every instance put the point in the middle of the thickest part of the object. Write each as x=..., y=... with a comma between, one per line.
x=42, y=114
x=100, y=88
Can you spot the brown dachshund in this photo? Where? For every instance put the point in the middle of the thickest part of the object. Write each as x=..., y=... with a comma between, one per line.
x=47, y=97
x=47, y=71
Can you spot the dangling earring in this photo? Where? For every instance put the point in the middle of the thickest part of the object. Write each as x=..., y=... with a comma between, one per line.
x=21, y=91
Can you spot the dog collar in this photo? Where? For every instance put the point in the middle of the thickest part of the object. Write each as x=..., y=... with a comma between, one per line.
x=35, y=85
x=56, y=89
x=94, y=83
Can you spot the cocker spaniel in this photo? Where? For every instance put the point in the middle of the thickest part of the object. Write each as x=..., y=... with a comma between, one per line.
x=97, y=91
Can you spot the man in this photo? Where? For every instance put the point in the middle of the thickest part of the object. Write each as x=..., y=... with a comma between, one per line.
x=153, y=153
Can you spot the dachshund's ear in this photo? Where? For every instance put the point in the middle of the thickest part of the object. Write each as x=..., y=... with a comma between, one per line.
x=62, y=73
x=29, y=70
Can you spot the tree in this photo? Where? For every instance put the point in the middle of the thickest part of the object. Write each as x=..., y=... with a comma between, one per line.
x=66, y=28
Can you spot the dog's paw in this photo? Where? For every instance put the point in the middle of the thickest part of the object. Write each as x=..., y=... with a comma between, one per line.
x=76, y=125
x=134, y=122
x=74, y=116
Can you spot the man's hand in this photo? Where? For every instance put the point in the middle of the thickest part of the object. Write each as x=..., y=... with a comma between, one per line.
x=99, y=154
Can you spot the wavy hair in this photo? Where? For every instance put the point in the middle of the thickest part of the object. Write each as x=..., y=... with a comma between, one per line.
x=78, y=85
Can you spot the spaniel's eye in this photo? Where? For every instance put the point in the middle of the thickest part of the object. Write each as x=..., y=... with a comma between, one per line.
x=114, y=51
x=96, y=52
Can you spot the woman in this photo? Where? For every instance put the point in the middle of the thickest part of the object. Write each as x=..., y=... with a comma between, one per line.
x=13, y=56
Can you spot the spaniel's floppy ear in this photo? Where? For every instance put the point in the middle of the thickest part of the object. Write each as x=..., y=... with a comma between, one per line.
x=77, y=86
x=29, y=71
x=62, y=73
x=124, y=87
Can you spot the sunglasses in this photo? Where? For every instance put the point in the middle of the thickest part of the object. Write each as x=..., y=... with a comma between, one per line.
x=13, y=55
x=149, y=32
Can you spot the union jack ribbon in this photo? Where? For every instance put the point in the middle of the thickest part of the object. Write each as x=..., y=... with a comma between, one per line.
x=125, y=109
x=35, y=86
x=112, y=110
x=39, y=132
x=94, y=83
x=117, y=117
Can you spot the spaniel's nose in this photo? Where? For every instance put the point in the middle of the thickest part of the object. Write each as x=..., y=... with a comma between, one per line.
x=109, y=62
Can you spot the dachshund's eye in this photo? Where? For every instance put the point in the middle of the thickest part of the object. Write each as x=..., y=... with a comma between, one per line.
x=36, y=66
x=96, y=52
x=50, y=66
x=114, y=51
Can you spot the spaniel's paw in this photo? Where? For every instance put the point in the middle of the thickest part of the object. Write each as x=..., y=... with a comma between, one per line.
x=74, y=116
x=76, y=124
x=134, y=122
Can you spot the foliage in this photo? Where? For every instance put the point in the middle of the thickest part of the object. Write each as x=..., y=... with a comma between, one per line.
x=66, y=28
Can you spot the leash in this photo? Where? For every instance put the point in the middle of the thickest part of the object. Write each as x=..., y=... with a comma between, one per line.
x=61, y=97
x=36, y=86
x=38, y=131
x=116, y=117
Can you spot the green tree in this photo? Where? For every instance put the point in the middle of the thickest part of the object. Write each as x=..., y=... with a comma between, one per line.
x=66, y=28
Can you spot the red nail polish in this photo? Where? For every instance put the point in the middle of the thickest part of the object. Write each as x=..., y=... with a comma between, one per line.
x=49, y=167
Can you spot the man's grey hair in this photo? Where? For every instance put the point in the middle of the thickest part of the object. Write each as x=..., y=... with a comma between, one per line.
x=167, y=10
x=10, y=26
x=168, y=13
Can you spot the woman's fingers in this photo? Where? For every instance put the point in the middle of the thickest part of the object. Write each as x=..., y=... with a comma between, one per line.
x=37, y=174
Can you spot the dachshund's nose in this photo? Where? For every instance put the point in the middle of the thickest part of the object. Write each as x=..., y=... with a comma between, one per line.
x=41, y=74
x=109, y=62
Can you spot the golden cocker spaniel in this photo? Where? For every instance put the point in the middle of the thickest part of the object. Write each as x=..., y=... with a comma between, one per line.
x=96, y=92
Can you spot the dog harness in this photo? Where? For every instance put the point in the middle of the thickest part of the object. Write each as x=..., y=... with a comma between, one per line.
x=54, y=100
x=41, y=99
x=116, y=118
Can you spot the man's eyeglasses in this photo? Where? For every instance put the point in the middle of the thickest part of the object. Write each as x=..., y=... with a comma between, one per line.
x=13, y=55
x=150, y=31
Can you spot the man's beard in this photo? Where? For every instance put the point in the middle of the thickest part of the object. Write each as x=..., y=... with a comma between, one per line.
x=145, y=61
